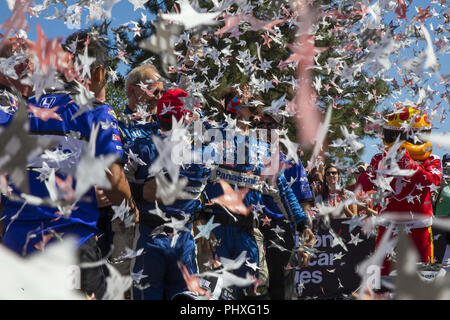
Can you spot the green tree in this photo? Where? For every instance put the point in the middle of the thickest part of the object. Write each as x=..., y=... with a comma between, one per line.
x=116, y=95
x=353, y=102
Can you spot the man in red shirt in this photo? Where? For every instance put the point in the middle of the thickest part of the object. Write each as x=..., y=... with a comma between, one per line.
x=405, y=184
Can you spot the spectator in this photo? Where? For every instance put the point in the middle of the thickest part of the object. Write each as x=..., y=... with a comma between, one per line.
x=333, y=193
x=362, y=167
x=12, y=90
x=442, y=203
x=316, y=180
x=144, y=87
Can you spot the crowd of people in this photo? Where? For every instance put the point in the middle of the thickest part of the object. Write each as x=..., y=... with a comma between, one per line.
x=182, y=220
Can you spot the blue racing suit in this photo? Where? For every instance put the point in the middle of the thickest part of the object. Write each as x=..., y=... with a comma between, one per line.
x=235, y=232
x=159, y=260
x=8, y=106
x=25, y=224
x=299, y=190
x=283, y=210
x=130, y=130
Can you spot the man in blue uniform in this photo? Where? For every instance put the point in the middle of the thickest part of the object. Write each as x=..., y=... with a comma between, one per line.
x=165, y=226
x=28, y=227
x=235, y=234
x=12, y=91
x=138, y=122
x=282, y=211
x=11, y=87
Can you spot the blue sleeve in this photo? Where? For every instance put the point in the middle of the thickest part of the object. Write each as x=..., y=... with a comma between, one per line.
x=289, y=200
x=9, y=106
x=5, y=118
x=300, y=187
x=252, y=198
x=108, y=138
x=147, y=152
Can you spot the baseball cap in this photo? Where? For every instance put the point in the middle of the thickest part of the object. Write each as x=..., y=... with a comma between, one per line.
x=362, y=166
x=234, y=105
x=170, y=105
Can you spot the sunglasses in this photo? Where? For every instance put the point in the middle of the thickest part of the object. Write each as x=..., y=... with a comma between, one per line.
x=391, y=135
x=157, y=92
x=330, y=173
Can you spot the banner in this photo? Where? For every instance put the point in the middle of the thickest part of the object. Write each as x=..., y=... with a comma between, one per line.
x=331, y=274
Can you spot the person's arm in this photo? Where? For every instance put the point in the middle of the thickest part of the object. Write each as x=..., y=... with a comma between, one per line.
x=365, y=179
x=430, y=171
x=144, y=191
x=108, y=142
x=102, y=198
x=120, y=189
x=366, y=209
x=350, y=210
x=371, y=211
x=300, y=218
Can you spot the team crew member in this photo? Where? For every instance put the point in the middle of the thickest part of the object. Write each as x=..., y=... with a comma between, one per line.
x=24, y=233
x=162, y=254
x=144, y=88
x=235, y=233
x=12, y=90
x=412, y=195
x=282, y=211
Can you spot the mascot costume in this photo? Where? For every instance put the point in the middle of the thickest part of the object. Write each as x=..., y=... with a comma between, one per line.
x=408, y=201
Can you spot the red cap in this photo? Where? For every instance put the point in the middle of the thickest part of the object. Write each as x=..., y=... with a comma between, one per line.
x=170, y=104
x=234, y=105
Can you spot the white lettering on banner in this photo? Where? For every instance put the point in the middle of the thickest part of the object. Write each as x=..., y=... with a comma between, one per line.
x=236, y=178
x=320, y=259
x=313, y=277
x=321, y=240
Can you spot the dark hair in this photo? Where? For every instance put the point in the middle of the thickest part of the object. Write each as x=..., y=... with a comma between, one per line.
x=6, y=50
x=96, y=48
x=310, y=174
x=166, y=126
x=325, y=188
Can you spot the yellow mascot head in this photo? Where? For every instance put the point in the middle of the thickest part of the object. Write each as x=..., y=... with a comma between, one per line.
x=398, y=124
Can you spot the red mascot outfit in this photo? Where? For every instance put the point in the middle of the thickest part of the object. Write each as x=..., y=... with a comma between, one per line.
x=411, y=198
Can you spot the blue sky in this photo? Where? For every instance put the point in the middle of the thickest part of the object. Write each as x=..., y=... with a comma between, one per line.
x=432, y=82
x=123, y=12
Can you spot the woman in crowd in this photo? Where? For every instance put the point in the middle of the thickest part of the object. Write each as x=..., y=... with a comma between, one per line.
x=333, y=193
